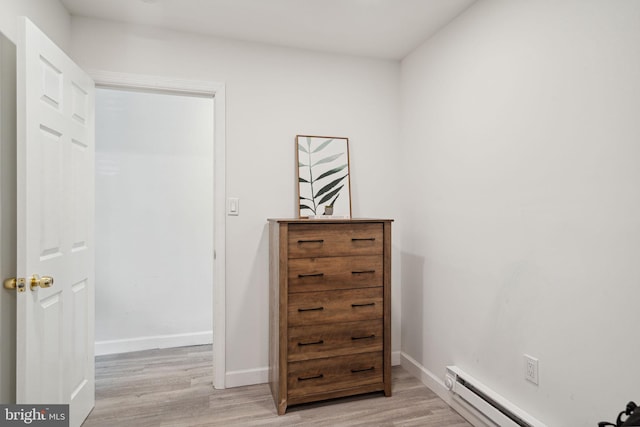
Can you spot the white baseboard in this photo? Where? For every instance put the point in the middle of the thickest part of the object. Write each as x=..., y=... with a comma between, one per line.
x=246, y=377
x=150, y=343
x=436, y=385
x=395, y=358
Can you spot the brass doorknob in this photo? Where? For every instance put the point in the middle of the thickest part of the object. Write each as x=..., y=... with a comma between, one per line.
x=14, y=283
x=21, y=284
x=43, y=282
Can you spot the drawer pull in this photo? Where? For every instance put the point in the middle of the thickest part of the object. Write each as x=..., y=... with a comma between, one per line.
x=300, y=344
x=311, y=309
x=354, y=371
x=364, y=338
x=363, y=239
x=363, y=272
x=363, y=305
x=310, y=241
x=301, y=276
x=314, y=377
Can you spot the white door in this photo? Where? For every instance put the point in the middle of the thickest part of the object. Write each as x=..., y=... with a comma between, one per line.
x=55, y=211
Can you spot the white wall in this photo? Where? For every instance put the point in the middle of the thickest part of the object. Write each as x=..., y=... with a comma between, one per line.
x=154, y=220
x=520, y=154
x=53, y=18
x=7, y=216
x=49, y=15
x=272, y=95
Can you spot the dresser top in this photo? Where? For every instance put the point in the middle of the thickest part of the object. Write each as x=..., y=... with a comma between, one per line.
x=327, y=221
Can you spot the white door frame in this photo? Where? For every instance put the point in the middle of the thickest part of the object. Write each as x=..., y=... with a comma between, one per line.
x=217, y=91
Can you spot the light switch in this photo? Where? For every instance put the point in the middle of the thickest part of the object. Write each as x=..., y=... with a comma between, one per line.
x=234, y=206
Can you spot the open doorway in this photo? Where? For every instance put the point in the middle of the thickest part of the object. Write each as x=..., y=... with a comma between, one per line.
x=154, y=220
x=135, y=82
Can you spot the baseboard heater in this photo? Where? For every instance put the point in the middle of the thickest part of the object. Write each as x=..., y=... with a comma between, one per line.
x=491, y=405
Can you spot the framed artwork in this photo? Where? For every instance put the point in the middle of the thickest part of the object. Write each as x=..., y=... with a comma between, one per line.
x=324, y=185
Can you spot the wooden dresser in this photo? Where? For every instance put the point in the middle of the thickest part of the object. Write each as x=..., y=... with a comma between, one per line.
x=330, y=309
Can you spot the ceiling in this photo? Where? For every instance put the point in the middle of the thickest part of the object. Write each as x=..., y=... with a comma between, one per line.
x=388, y=29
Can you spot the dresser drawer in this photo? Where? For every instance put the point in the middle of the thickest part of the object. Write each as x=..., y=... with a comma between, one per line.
x=313, y=308
x=334, y=373
x=334, y=339
x=309, y=240
x=316, y=274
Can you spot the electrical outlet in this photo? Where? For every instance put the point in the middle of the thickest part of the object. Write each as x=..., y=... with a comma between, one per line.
x=531, y=369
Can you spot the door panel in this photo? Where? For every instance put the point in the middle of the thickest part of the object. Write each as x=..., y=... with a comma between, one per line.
x=55, y=206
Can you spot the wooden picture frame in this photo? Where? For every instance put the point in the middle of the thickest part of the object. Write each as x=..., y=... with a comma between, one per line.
x=323, y=175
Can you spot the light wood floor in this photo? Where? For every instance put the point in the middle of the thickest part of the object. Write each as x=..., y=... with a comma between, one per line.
x=172, y=387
